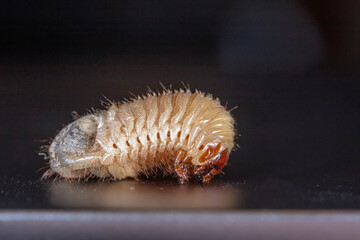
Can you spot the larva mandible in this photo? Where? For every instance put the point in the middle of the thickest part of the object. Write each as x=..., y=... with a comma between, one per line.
x=189, y=135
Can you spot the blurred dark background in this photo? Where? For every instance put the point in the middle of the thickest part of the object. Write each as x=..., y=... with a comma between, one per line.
x=279, y=34
x=291, y=68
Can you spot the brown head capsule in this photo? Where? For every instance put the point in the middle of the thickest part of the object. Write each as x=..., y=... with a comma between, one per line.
x=186, y=134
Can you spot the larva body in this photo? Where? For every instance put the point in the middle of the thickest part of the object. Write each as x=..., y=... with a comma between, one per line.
x=177, y=132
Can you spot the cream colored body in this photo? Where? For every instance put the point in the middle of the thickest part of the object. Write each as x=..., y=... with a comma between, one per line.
x=145, y=134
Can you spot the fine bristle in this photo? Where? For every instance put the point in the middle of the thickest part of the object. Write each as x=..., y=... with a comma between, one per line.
x=48, y=174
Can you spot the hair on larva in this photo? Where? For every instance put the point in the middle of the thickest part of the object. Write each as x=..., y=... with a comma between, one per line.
x=181, y=133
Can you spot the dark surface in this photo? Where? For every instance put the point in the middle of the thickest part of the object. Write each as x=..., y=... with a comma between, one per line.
x=128, y=195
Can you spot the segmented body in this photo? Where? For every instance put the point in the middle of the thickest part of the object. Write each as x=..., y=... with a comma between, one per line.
x=177, y=132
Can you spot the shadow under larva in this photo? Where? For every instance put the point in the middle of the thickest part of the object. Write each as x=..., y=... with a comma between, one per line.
x=128, y=194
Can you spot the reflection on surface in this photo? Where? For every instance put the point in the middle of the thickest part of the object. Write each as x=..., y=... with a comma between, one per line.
x=132, y=194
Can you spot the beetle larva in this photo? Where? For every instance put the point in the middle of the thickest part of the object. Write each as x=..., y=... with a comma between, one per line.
x=189, y=135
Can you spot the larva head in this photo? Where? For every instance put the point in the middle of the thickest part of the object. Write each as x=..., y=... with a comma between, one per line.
x=71, y=146
x=213, y=161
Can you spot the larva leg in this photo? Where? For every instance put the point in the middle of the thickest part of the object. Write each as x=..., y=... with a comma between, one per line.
x=120, y=171
x=206, y=172
x=101, y=172
x=183, y=167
